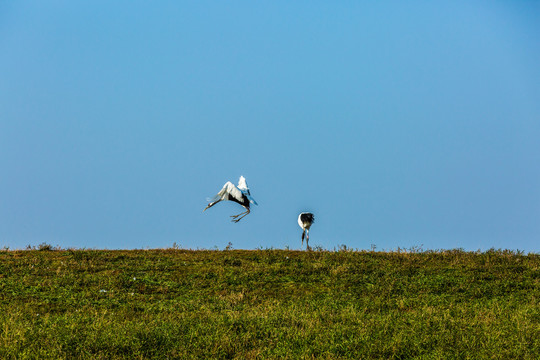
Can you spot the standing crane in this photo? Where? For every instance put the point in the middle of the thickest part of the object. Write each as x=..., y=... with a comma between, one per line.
x=240, y=195
x=305, y=220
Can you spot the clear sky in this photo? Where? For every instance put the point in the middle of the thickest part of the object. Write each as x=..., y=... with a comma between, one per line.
x=398, y=124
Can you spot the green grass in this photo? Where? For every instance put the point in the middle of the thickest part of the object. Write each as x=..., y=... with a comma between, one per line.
x=183, y=304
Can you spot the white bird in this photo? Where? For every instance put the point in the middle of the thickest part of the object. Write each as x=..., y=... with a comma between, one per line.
x=305, y=220
x=240, y=195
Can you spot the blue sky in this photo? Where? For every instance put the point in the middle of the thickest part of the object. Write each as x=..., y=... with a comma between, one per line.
x=399, y=124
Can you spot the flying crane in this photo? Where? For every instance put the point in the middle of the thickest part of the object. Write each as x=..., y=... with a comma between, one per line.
x=239, y=194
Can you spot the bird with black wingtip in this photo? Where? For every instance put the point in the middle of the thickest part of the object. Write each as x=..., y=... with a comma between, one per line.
x=305, y=220
x=240, y=195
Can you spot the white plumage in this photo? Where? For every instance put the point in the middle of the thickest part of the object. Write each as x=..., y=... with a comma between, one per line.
x=305, y=220
x=240, y=195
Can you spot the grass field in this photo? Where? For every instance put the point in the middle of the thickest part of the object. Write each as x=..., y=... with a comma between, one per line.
x=263, y=304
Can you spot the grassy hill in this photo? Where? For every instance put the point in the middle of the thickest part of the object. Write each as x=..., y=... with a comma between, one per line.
x=182, y=304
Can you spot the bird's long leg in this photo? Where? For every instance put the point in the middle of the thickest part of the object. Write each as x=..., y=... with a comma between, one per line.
x=303, y=236
x=307, y=240
x=237, y=218
x=240, y=218
x=243, y=213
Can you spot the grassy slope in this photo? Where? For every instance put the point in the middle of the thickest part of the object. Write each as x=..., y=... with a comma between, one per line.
x=268, y=304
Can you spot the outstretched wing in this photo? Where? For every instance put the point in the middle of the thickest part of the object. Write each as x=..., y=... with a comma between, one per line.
x=242, y=184
x=229, y=191
x=243, y=187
